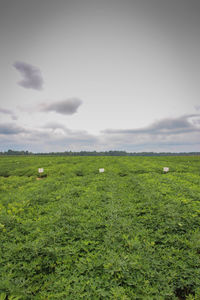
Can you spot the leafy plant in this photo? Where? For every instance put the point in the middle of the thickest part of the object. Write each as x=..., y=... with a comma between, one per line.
x=131, y=232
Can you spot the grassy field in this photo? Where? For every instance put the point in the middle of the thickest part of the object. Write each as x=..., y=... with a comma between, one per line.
x=131, y=232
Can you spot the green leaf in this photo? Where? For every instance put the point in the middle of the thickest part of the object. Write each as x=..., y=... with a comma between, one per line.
x=2, y=296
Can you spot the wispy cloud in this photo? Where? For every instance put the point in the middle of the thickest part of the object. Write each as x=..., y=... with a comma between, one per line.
x=8, y=112
x=32, y=77
x=171, y=134
x=65, y=107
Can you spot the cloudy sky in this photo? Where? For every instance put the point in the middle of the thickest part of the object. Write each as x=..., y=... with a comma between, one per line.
x=100, y=75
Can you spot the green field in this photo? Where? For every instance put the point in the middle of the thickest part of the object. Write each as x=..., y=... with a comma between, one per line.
x=131, y=232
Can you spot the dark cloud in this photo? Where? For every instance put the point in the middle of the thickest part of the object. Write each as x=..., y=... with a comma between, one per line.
x=32, y=77
x=8, y=112
x=10, y=128
x=65, y=107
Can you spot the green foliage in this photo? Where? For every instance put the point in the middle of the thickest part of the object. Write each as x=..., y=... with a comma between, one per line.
x=131, y=232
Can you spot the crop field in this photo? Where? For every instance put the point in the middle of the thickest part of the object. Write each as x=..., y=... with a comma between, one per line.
x=131, y=232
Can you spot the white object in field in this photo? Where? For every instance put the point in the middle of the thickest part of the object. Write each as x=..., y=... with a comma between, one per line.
x=40, y=170
x=166, y=169
x=101, y=170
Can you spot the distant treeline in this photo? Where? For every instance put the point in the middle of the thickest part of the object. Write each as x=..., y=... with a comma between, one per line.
x=105, y=153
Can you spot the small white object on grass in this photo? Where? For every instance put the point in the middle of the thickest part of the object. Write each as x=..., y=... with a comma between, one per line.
x=101, y=170
x=165, y=169
x=40, y=170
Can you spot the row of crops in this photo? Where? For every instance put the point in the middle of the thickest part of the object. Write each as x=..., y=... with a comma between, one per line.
x=131, y=232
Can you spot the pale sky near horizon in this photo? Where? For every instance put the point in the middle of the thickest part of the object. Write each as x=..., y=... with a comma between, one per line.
x=100, y=75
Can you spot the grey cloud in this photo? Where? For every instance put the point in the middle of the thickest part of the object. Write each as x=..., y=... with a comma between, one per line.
x=8, y=112
x=45, y=139
x=72, y=135
x=14, y=117
x=170, y=134
x=165, y=126
x=5, y=111
x=54, y=125
x=171, y=124
x=47, y=134
x=65, y=107
x=32, y=77
x=10, y=128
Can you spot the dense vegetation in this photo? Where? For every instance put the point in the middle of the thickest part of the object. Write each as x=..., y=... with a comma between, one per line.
x=131, y=232
x=103, y=153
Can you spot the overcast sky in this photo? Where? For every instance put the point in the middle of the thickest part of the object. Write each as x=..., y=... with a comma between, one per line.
x=100, y=75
